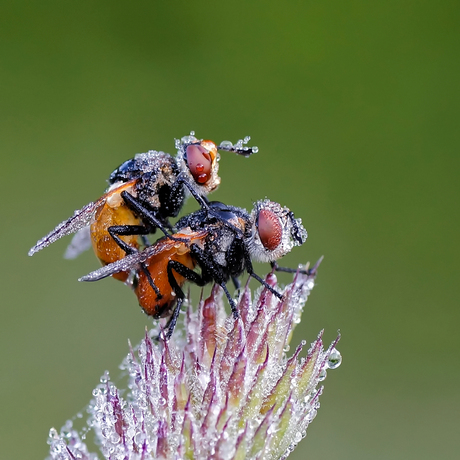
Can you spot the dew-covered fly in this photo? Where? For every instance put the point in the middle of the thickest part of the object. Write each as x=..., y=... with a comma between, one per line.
x=222, y=243
x=144, y=192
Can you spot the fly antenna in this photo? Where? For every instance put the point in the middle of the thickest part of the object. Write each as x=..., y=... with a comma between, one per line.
x=239, y=148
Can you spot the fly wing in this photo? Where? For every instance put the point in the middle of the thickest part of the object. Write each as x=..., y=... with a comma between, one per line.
x=79, y=220
x=133, y=261
x=81, y=242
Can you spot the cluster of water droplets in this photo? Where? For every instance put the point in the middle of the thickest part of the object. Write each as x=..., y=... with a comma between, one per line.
x=219, y=389
x=240, y=145
x=186, y=140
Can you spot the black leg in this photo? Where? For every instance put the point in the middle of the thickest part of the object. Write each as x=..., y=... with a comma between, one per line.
x=204, y=203
x=232, y=303
x=126, y=230
x=170, y=326
x=262, y=281
x=182, y=180
x=250, y=270
x=126, y=247
x=116, y=230
x=188, y=274
x=215, y=274
x=145, y=214
x=277, y=268
x=150, y=280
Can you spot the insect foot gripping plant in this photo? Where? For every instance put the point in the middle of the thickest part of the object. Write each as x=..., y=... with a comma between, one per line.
x=224, y=389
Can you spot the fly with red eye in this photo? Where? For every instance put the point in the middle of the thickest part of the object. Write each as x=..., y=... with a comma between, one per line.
x=144, y=193
x=208, y=240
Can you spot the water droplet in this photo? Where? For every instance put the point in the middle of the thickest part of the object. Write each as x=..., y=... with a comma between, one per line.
x=56, y=448
x=255, y=149
x=310, y=284
x=105, y=377
x=297, y=437
x=322, y=375
x=334, y=359
x=115, y=438
x=52, y=435
x=312, y=414
x=226, y=145
x=139, y=438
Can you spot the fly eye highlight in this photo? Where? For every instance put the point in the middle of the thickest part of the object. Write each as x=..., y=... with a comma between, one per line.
x=270, y=229
x=199, y=162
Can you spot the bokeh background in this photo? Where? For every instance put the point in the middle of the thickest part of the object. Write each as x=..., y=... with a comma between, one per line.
x=355, y=108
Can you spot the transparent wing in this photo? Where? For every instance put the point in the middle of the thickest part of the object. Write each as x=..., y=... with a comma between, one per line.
x=79, y=220
x=132, y=261
x=129, y=262
x=81, y=242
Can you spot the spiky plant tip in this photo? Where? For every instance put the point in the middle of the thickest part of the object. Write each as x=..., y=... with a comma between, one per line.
x=219, y=389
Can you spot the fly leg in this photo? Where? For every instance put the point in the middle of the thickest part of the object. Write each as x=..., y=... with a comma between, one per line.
x=202, y=201
x=189, y=275
x=126, y=230
x=215, y=273
x=116, y=230
x=308, y=272
x=146, y=215
x=250, y=270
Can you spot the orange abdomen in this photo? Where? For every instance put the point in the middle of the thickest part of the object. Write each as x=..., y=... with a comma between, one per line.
x=113, y=212
x=157, y=267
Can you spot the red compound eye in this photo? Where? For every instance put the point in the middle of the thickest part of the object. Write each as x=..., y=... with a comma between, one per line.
x=199, y=162
x=270, y=230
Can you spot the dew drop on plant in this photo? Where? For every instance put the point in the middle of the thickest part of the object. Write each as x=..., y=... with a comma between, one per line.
x=53, y=435
x=115, y=438
x=104, y=378
x=322, y=375
x=334, y=360
x=310, y=284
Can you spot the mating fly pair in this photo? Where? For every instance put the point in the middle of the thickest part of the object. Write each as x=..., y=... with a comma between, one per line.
x=147, y=190
x=144, y=192
x=221, y=240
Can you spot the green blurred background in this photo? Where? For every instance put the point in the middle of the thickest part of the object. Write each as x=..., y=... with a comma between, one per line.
x=355, y=108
